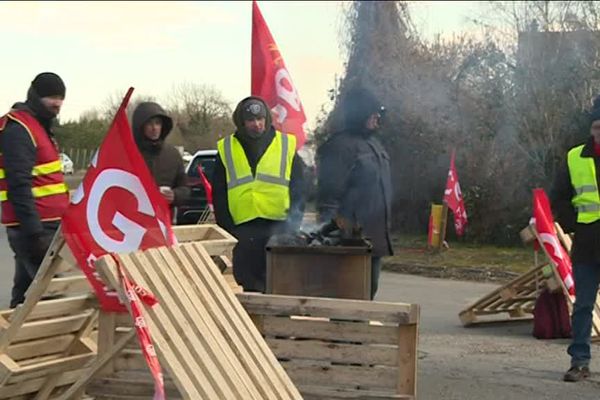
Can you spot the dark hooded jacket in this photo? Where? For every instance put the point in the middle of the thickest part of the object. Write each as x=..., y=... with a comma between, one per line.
x=254, y=150
x=163, y=160
x=20, y=161
x=354, y=180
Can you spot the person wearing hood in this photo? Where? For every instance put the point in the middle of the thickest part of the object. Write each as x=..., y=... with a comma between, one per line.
x=354, y=185
x=33, y=193
x=258, y=188
x=151, y=126
x=576, y=204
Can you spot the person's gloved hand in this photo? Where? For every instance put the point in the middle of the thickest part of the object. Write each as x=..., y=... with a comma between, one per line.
x=38, y=245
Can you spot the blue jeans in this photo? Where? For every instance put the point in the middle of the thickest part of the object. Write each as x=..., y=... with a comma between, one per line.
x=587, y=278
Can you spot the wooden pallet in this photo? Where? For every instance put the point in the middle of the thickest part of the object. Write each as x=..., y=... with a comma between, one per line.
x=206, y=342
x=339, y=348
x=513, y=301
x=46, y=342
x=517, y=298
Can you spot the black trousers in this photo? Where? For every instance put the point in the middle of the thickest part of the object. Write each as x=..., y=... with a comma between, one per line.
x=25, y=267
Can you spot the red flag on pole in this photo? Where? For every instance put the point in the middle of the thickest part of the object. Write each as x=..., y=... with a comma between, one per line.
x=116, y=209
x=272, y=82
x=544, y=224
x=454, y=200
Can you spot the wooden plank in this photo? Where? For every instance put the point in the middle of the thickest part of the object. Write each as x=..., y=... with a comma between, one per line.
x=202, y=339
x=130, y=383
x=407, y=360
x=68, y=285
x=38, y=348
x=40, y=370
x=57, y=307
x=51, y=327
x=169, y=349
x=22, y=388
x=330, y=308
x=328, y=330
x=341, y=376
x=247, y=334
x=312, y=392
x=106, y=337
x=334, y=351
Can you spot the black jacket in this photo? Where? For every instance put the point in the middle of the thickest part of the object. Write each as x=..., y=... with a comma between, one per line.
x=19, y=159
x=354, y=182
x=586, y=244
x=163, y=160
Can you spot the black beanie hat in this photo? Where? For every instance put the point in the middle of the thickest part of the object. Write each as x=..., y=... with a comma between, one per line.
x=48, y=84
x=253, y=108
x=358, y=104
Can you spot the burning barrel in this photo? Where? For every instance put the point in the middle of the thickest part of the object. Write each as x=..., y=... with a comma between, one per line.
x=319, y=265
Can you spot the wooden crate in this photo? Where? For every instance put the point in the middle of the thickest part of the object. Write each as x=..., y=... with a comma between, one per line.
x=341, y=349
x=206, y=343
x=216, y=240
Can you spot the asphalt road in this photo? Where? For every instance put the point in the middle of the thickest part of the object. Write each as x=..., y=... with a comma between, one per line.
x=492, y=362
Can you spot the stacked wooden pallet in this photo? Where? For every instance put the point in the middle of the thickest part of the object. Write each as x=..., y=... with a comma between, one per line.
x=207, y=344
x=341, y=349
x=46, y=343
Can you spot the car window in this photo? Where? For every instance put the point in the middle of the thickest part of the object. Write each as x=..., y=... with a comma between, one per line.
x=208, y=166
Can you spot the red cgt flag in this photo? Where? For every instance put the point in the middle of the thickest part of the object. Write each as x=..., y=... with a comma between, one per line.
x=272, y=82
x=544, y=224
x=116, y=209
x=454, y=200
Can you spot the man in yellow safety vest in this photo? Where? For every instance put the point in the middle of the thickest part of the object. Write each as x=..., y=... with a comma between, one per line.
x=576, y=204
x=258, y=188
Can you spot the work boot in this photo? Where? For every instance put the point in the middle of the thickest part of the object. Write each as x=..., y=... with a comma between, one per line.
x=576, y=374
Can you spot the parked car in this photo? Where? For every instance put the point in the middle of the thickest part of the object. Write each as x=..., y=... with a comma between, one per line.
x=190, y=212
x=66, y=164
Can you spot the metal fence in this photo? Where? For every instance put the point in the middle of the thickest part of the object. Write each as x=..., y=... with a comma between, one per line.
x=80, y=157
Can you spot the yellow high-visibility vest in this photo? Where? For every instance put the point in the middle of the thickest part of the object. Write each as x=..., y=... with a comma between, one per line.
x=583, y=178
x=267, y=194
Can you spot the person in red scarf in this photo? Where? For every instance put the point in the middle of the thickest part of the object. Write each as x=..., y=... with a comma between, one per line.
x=576, y=205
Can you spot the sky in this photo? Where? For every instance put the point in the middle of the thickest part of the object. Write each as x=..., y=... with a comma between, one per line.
x=100, y=49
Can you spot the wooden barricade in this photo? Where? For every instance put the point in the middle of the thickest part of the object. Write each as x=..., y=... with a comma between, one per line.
x=339, y=348
x=513, y=301
x=46, y=342
x=207, y=344
x=517, y=298
x=50, y=341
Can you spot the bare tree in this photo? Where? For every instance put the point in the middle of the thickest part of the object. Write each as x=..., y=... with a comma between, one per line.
x=202, y=115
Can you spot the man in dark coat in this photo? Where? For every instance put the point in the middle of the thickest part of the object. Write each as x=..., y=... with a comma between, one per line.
x=354, y=182
x=31, y=219
x=255, y=133
x=151, y=125
x=576, y=205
